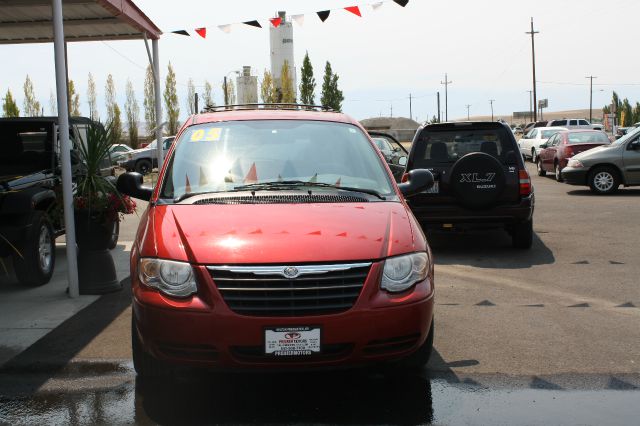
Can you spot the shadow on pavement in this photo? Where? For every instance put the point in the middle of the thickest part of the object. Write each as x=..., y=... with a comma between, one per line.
x=486, y=249
x=52, y=354
x=626, y=192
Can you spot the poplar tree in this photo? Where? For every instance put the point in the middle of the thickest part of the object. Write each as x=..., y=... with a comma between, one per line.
x=74, y=100
x=30, y=105
x=332, y=96
x=208, y=95
x=171, y=101
x=307, y=83
x=9, y=107
x=92, y=99
x=191, y=97
x=113, y=111
x=149, y=102
x=53, y=104
x=287, y=92
x=133, y=113
x=267, y=92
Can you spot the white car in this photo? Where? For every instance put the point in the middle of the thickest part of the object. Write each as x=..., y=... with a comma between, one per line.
x=144, y=160
x=575, y=124
x=530, y=144
x=118, y=152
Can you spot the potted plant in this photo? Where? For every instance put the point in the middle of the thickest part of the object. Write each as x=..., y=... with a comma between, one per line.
x=98, y=205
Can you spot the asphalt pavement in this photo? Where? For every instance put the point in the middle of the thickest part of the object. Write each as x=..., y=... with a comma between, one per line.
x=545, y=336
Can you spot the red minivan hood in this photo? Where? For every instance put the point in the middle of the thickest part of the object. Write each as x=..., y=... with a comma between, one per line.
x=278, y=233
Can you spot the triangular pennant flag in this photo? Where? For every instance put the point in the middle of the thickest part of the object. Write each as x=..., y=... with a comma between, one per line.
x=225, y=28
x=314, y=178
x=338, y=182
x=203, y=178
x=323, y=15
x=181, y=32
x=377, y=5
x=253, y=24
x=402, y=3
x=252, y=176
x=202, y=32
x=187, y=185
x=275, y=22
x=353, y=9
x=299, y=19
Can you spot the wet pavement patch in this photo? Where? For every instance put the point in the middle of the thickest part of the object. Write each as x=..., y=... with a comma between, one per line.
x=627, y=305
x=580, y=305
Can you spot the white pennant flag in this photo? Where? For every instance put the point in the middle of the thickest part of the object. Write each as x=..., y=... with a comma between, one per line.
x=377, y=5
x=225, y=28
x=298, y=18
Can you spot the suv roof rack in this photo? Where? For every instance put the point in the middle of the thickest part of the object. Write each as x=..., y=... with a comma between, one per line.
x=282, y=106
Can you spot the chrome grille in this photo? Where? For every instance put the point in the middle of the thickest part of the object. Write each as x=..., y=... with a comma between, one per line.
x=300, y=290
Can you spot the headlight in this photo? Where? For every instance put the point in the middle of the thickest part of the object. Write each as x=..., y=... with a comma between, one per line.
x=401, y=272
x=170, y=277
x=575, y=164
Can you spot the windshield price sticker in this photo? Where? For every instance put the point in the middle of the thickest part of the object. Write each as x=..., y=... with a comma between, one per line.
x=292, y=341
x=210, y=135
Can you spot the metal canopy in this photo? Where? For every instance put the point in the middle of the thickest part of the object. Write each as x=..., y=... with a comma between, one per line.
x=30, y=21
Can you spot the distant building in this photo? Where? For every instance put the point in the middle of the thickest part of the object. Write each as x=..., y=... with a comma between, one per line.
x=247, y=87
x=401, y=128
x=281, y=42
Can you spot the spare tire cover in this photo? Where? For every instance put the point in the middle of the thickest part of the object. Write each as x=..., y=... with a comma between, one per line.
x=477, y=180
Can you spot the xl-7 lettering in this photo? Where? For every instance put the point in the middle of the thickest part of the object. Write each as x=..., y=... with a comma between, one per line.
x=475, y=178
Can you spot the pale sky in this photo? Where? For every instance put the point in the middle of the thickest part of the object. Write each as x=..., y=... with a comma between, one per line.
x=381, y=57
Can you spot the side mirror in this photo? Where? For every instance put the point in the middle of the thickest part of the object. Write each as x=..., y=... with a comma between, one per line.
x=418, y=180
x=131, y=184
x=402, y=161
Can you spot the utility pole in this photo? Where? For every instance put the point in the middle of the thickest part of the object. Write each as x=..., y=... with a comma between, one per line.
x=468, y=106
x=530, y=105
x=533, y=58
x=391, y=109
x=438, y=107
x=410, y=112
x=491, y=101
x=591, y=97
x=446, y=83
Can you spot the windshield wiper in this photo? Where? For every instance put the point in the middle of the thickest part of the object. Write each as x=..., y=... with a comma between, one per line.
x=286, y=184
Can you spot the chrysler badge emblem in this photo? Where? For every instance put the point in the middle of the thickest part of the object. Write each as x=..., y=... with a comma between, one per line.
x=290, y=272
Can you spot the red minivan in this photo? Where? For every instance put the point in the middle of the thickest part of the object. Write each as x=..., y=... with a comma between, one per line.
x=278, y=239
x=563, y=145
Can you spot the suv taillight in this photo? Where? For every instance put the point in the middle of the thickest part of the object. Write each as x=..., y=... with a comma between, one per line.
x=568, y=151
x=525, y=183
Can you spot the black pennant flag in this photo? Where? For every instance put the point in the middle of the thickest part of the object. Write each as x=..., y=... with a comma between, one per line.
x=323, y=15
x=402, y=3
x=253, y=24
x=181, y=32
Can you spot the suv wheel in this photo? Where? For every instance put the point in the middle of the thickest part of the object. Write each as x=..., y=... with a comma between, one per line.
x=534, y=155
x=604, y=180
x=541, y=171
x=144, y=363
x=37, y=255
x=557, y=171
x=115, y=233
x=522, y=235
x=143, y=166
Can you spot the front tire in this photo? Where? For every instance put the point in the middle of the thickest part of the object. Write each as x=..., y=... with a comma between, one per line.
x=604, y=180
x=522, y=235
x=534, y=155
x=558, y=172
x=37, y=252
x=541, y=171
x=143, y=167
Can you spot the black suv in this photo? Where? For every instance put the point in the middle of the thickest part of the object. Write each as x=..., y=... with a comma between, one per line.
x=480, y=179
x=30, y=192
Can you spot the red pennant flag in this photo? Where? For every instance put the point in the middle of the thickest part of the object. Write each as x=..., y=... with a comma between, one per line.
x=252, y=176
x=353, y=9
x=276, y=22
x=338, y=182
x=187, y=185
x=202, y=32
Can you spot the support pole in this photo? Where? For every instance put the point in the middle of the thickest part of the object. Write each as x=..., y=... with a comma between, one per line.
x=446, y=83
x=491, y=101
x=410, y=112
x=158, y=102
x=196, y=109
x=226, y=92
x=591, y=98
x=65, y=147
x=438, y=107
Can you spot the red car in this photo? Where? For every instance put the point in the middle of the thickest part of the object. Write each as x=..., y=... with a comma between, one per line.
x=278, y=239
x=563, y=145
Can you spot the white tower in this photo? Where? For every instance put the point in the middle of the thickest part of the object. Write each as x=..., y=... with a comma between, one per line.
x=247, y=87
x=281, y=41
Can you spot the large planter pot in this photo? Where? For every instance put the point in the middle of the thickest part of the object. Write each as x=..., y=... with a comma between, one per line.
x=92, y=232
x=96, y=270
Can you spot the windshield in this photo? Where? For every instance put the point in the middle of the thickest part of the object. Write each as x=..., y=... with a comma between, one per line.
x=588, y=137
x=546, y=134
x=218, y=157
x=27, y=147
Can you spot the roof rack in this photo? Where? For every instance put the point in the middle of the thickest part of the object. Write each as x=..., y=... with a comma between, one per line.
x=280, y=106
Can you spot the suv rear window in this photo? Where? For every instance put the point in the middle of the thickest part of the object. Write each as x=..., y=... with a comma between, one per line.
x=438, y=147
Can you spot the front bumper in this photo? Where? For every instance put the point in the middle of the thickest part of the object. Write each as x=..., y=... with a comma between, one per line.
x=202, y=331
x=455, y=214
x=575, y=176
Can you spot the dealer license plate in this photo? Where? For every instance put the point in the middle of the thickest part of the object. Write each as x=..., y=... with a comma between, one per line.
x=292, y=341
x=435, y=189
